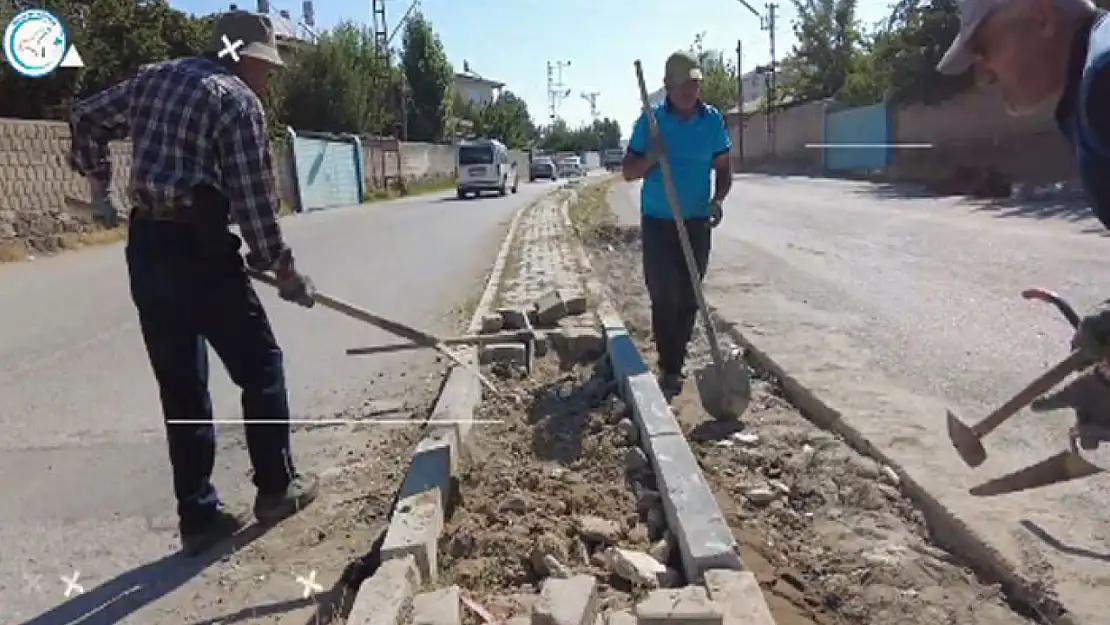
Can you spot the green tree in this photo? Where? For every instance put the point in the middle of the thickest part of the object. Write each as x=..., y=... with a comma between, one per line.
x=828, y=40
x=507, y=120
x=911, y=43
x=333, y=86
x=115, y=37
x=719, y=77
x=431, y=80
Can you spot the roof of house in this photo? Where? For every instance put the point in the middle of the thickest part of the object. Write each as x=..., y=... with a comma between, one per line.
x=471, y=76
x=284, y=27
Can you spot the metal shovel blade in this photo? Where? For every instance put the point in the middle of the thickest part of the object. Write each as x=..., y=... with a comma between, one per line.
x=966, y=441
x=725, y=391
x=1063, y=467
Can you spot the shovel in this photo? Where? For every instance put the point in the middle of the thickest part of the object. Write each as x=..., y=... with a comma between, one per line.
x=397, y=329
x=725, y=389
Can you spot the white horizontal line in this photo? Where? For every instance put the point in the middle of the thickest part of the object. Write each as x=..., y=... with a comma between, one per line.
x=326, y=421
x=860, y=146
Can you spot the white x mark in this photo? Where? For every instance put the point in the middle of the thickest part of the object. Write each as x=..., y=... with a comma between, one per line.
x=311, y=587
x=32, y=582
x=230, y=48
x=72, y=587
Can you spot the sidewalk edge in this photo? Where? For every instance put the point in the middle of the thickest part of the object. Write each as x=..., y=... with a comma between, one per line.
x=944, y=525
x=430, y=482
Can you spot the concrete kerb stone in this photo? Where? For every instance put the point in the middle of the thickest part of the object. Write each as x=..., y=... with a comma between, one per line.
x=704, y=539
x=417, y=518
x=946, y=528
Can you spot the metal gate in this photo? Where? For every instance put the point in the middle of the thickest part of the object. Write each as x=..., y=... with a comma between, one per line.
x=858, y=139
x=329, y=170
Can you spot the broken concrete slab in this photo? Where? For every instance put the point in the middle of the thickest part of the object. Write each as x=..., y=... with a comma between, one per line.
x=578, y=344
x=385, y=598
x=572, y=601
x=514, y=354
x=689, y=605
x=637, y=567
x=513, y=318
x=491, y=323
x=557, y=304
x=414, y=531
x=740, y=598
x=438, y=607
x=693, y=516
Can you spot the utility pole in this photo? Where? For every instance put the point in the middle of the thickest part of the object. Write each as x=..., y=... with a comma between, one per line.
x=768, y=24
x=381, y=69
x=591, y=97
x=556, y=90
x=740, y=98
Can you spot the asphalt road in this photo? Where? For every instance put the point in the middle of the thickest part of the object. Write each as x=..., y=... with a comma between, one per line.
x=905, y=305
x=84, y=473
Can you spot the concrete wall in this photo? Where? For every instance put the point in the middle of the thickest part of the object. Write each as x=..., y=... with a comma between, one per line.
x=35, y=178
x=972, y=129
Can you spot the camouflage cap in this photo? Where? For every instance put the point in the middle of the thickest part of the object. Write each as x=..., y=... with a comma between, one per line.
x=248, y=34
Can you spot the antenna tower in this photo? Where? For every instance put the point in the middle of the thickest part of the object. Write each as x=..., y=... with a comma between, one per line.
x=556, y=90
x=591, y=97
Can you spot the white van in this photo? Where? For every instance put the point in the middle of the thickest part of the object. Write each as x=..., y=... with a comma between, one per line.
x=484, y=165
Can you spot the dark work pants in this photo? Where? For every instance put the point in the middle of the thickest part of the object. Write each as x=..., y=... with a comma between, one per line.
x=187, y=293
x=674, y=307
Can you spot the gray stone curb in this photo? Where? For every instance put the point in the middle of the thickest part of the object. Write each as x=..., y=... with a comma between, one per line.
x=409, y=549
x=693, y=516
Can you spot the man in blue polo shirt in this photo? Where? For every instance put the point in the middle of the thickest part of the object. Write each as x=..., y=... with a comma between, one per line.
x=697, y=145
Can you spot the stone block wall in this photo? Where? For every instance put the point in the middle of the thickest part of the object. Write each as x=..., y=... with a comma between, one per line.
x=35, y=179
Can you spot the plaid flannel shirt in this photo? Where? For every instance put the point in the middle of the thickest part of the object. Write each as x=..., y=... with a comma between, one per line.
x=191, y=123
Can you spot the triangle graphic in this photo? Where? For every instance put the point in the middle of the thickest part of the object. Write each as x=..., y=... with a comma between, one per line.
x=72, y=58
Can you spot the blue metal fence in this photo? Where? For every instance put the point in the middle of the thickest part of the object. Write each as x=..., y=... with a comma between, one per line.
x=328, y=170
x=858, y=139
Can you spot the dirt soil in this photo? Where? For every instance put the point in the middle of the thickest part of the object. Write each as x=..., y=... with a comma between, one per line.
x=828, y=533
x=550, y=480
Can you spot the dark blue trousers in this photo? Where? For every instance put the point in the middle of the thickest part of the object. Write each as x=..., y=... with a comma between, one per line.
x=190, y=292
x=674, y=307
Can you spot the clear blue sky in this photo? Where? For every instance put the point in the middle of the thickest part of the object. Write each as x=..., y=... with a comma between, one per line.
x=512, y=40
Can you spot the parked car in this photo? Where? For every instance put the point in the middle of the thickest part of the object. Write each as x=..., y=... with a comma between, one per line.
x=571, y=166
x=542, y=167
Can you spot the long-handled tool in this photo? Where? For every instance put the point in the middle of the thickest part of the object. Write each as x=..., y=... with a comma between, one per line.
x=521, y=336
x=726, y=392
x=1063, y=467
x=968, y=440
x=393, y=327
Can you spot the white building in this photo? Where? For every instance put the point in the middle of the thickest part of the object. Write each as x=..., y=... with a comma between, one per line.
x=477, y=90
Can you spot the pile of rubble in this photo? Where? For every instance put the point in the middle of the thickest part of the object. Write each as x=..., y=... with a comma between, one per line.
x=558, y=321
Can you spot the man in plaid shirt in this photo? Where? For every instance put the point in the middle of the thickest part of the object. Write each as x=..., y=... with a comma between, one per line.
x=200, y=159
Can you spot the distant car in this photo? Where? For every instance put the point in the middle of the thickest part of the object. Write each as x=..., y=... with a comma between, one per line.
x=571, y=166
x=542, y=167
x=611, y=159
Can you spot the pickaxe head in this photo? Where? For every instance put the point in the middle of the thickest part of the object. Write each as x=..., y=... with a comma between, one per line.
x=966, y=441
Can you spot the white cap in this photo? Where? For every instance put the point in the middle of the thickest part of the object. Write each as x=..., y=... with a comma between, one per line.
x=958, y=59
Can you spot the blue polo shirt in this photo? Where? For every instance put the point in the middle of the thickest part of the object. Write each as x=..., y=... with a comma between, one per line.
x=691, y=145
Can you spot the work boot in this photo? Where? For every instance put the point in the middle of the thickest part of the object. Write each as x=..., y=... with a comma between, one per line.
x=300, y=492
x=671, y=384
x=223, y=525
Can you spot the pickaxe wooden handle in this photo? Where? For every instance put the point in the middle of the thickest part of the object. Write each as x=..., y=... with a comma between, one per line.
x=393, y=327
x=1043, y=384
